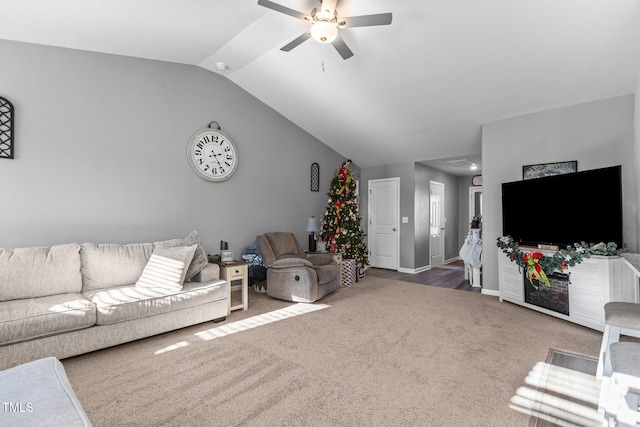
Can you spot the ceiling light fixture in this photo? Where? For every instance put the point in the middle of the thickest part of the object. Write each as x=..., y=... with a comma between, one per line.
x=325, y=24
x=324, y=32
x=461, y=163
x=324, y=28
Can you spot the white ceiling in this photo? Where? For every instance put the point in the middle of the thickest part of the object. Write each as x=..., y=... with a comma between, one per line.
x=416, y=90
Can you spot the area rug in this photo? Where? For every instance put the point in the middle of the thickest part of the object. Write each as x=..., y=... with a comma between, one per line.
x=382, y=353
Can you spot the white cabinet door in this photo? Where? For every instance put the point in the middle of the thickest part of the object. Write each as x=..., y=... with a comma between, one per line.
x=511, y=285
x=586, y=293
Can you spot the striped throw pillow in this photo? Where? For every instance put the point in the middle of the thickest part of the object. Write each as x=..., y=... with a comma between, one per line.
x=167, y=268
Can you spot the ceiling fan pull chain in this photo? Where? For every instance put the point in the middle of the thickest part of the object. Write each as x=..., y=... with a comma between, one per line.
x=323, y=58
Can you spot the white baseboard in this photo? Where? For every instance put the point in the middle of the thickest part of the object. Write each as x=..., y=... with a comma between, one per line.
x=491, y=292
x=414, y=270
x=423, y=268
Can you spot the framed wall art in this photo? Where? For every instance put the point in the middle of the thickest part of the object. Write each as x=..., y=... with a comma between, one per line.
x=226, y=256
x=549, y=169
x=6, y=129
x=315, y=177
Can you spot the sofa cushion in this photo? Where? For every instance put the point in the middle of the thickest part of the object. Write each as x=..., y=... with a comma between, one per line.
x=31, y=318
x=133, y=302
x=39, y=271
x=110, y=265
x=199, y=260
x=167, y=268
x=42, y=396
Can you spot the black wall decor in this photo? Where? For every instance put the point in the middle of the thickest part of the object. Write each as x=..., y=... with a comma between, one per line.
x=315, y=177
x=6, y=129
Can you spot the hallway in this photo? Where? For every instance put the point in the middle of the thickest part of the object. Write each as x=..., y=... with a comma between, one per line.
x=449, y=275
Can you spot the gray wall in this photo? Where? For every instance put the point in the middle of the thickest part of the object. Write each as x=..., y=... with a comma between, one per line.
x=424, y=174
x=596, y=134
x=636, y=129
x=100, y=154
x=404, y=171
x=414, y=204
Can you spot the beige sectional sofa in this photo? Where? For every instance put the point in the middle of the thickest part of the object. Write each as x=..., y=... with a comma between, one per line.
x=70, y=299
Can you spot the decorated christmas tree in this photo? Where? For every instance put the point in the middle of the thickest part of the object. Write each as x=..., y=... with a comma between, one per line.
x=341, y=228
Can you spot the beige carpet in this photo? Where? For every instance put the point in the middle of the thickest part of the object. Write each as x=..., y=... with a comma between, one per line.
x=383, y=353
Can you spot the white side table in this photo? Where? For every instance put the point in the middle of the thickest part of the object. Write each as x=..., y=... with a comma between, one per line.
x=236, y=271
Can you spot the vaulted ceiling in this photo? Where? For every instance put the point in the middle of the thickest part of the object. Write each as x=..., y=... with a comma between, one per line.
x=416, y=90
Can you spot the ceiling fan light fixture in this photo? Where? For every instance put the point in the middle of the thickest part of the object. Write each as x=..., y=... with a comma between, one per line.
x=324, y=31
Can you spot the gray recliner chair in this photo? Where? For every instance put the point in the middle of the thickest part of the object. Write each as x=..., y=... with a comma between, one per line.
x=293, y=275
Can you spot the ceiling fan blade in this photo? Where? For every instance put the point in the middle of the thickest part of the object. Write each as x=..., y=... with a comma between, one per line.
x=365, y=20
x=283, y=9
x=295, y=42
x=342, y=47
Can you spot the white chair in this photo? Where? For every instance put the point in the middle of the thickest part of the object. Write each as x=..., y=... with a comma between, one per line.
x=621, y=392
x=620, y=318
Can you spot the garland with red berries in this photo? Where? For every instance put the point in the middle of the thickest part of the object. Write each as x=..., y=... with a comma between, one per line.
x=538, y=266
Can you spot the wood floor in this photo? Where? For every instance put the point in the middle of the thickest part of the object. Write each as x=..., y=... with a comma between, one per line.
x=449, y=275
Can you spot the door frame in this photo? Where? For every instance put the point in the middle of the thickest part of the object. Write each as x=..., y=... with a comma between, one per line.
x=472, y=200
x=369, y=234
x=444, y=225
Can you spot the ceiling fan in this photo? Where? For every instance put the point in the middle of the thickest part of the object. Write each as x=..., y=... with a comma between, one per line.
x=325, y=23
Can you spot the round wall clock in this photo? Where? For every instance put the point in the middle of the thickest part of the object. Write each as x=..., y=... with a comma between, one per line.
x=476, y=180
x=212, y=155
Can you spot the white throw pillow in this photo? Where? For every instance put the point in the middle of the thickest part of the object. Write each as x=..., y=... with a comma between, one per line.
x=167, y=268
x=199, y=260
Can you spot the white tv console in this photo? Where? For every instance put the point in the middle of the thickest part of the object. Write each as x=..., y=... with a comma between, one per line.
x=593, y=283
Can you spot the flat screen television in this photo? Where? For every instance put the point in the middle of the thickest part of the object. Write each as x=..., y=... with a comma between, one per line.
x=565, y=209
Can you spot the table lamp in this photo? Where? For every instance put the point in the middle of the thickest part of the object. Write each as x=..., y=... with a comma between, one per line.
x=313, y=226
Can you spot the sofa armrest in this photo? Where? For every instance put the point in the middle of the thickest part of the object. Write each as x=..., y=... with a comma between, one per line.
x=291, y=262
x=210, y=273
x=43, y=389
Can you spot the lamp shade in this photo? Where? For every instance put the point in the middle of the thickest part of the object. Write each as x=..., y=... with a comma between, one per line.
x=313, y=224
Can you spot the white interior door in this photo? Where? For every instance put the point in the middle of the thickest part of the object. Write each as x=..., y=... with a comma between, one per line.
x=384, y=225
x=437, y=222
